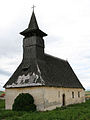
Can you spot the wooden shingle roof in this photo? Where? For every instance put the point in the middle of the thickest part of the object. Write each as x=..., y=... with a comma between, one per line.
x=51, y=72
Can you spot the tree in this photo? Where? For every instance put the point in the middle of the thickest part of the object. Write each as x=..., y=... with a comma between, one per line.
x=24, y=102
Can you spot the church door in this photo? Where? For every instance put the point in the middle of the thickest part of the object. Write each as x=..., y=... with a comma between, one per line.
x=63, y=100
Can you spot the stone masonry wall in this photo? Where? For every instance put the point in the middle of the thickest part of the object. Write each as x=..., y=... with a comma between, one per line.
x=53, y=97
x=36, y=92
x=46, y=98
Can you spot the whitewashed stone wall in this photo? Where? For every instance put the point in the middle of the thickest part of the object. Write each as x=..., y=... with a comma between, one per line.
x=46, y=98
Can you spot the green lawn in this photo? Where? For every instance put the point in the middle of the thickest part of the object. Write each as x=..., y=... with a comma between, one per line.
x=72, y=112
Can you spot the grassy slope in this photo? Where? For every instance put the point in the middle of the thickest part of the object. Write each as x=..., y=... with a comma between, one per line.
x=73, y=112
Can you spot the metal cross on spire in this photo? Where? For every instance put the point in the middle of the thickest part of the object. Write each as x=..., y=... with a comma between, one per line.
x=33, y=7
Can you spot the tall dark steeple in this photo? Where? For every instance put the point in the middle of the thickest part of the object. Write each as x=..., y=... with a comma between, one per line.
x=33, y=43
x=33, y=22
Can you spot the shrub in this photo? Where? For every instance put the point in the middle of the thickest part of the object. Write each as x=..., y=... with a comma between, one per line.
x=24, y=102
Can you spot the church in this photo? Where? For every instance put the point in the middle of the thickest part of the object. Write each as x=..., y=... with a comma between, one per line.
x=50, y=80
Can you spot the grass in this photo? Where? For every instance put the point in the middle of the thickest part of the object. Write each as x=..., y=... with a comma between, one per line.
x=1, y=92
x=72, y=112
x=2, y=104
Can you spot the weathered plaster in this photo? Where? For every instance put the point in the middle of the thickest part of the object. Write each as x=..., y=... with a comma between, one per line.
x=46, y=98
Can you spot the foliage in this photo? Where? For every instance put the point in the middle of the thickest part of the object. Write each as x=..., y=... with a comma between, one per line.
x=72, y=112
x=2, y=104
x=24, y=102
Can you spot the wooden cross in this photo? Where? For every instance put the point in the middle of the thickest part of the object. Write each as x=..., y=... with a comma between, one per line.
x=33, y=7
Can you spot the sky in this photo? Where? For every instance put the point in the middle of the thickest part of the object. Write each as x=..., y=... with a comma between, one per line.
x=67, y=23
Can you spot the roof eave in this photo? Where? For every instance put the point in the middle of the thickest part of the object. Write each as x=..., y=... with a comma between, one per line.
x=30, y=31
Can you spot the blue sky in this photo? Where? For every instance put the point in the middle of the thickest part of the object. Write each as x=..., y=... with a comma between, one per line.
x=67, y=23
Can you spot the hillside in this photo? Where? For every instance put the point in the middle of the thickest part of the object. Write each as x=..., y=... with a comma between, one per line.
x=87, y=94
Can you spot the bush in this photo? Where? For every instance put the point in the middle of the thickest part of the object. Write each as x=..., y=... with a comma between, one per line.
x=24, y=102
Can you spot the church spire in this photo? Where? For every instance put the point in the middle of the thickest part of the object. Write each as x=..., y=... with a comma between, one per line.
x=33, y=22
x=33, y=29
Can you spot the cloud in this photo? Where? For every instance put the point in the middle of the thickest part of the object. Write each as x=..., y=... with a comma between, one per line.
x=3, y=72
x=67, y=24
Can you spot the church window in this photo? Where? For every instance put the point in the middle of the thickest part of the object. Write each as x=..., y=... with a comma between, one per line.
x=59, y=94
x=72, y=94
x=78, y=94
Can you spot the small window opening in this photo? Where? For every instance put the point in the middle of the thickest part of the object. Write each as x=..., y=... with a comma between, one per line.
x=25, y=69
x=72, y=94
x=59, y=94
x=78, y=94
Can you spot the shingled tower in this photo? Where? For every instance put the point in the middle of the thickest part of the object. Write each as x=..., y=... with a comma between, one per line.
x=33, y=43
x=50, y=80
